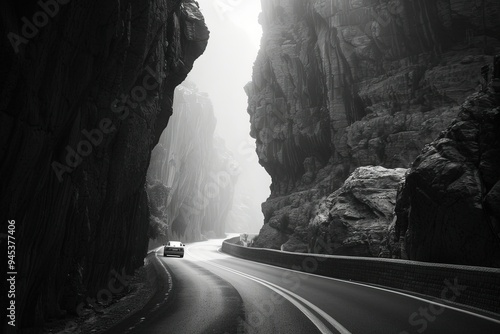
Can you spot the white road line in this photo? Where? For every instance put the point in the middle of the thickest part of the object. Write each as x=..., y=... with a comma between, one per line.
x=292, y=298
x=170, y=282
x=375, y=287
x=166, y=294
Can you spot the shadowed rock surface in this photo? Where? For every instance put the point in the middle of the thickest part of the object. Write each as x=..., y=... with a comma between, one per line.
x=448, y=210
x=190, y=178
x=354, y=220
x=340, y=84
x=77, y=219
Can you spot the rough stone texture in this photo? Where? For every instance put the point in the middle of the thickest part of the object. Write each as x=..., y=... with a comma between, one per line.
x=448, y=209
x=190, y=179
x=340, y=84
x=356, y=219
x=89, y=63
x=139, y=291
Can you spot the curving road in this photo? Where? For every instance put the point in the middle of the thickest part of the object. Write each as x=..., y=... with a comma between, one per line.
x=216, y=293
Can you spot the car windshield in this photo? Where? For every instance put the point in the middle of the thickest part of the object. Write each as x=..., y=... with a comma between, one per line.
x=174, y=243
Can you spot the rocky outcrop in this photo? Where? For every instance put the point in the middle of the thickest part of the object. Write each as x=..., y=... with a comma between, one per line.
x=85, y=96
x=448, y=210
x=356, y=219
x=191, y=177
x=340, y=84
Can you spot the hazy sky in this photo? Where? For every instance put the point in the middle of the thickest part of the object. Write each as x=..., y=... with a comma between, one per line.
x=222, y=71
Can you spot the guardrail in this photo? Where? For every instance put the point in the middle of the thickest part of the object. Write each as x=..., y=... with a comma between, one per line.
x=479, y=287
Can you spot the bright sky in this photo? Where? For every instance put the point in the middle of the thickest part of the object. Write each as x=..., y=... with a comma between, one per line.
x=222, y=71
x=226, y=66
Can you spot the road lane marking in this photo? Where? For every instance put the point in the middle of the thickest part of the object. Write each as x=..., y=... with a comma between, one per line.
x=317, y=322
x=170, y=281
x=142, y=319
x=292, y=298
x=374, y=287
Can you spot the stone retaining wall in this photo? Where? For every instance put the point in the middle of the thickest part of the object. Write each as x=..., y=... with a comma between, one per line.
x=482, y=285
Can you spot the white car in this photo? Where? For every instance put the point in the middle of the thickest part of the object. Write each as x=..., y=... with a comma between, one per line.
x=173, y=248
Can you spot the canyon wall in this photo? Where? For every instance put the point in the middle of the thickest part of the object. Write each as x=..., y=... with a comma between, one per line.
x=191, y=177
x=85, y=97
x=449, y=208
x=339, y=84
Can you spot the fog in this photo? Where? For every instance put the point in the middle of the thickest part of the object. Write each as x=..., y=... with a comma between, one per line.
x=222, y=72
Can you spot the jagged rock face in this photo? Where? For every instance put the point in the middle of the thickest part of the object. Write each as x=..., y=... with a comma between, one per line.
x=340, y=84
x=84, y=102
x=448, y=210
x=157, y=200
x=356, y=219
x=191, y=177
x=353, y=220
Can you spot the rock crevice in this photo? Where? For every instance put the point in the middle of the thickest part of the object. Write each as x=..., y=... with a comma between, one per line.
x=191, y=177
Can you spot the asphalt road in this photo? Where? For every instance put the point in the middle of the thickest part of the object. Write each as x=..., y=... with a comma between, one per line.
x=216, y=293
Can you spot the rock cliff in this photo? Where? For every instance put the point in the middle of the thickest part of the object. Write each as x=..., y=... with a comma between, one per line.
x=356, y=219
x=339, y=84
x=85, y=96
x=448, y=210
x=191, y=177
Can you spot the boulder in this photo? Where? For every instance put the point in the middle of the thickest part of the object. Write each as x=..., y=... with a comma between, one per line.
x=356, y=218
